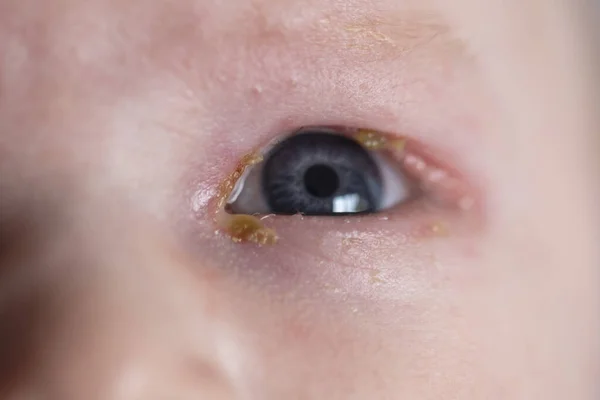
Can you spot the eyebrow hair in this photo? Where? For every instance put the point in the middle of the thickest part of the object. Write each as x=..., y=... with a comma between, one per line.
x=382, y=33
x=404, y=32
x=398, y=26
x=298, y=29
x=369, y=29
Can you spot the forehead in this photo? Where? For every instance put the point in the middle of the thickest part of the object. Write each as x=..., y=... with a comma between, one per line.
x=212, y=48
x=98, y=31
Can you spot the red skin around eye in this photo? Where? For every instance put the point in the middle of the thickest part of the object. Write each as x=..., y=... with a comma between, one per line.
x=438, y=184
x=364, y=252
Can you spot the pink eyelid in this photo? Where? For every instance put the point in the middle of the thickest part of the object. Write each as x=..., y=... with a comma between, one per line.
x=439, y=183
x=442, y=184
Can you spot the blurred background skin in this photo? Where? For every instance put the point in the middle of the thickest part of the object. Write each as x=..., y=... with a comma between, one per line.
x=116, y=116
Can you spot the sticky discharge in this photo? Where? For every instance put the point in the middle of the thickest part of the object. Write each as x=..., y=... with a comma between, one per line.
x=377, y=141
x=242, y=228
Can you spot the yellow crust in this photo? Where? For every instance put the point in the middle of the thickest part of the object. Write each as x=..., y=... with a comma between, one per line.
x=373, y=140
x=439, y=229
x=242, y=228
x=247, y=228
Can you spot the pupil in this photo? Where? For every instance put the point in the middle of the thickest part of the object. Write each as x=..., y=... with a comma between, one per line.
x=321, y=181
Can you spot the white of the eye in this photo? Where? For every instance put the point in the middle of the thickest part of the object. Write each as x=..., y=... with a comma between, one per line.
x=396, y=186
x=239, y=186
x=247, y=196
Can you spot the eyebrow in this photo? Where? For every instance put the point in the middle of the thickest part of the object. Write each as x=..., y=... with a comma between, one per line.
x=399, y=33
x=396, y=28
x=373, y=32
x=369, y=29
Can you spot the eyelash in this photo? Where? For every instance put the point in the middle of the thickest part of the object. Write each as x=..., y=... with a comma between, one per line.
x=438, y=185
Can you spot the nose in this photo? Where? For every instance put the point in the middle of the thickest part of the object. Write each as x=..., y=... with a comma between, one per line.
x=128, y=316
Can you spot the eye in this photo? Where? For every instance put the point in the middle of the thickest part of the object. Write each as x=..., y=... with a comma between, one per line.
x=319, y=171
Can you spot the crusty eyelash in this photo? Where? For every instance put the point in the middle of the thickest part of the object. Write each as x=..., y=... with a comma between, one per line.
x=434, y=180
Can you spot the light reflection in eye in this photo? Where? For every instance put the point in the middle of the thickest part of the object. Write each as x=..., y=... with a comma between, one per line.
x=320, y=172
x=346, y=204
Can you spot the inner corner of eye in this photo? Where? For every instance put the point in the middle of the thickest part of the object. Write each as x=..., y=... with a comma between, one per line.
x=321, y=172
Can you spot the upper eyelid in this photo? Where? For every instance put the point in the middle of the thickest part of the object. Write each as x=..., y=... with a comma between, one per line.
x=280, y=77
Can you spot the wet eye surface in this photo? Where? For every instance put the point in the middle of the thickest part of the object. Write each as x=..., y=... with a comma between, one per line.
x=320, y=172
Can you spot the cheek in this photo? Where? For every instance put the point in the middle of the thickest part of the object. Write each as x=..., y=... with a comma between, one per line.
x=375, y=304
x=407, y=332
x=373, y=257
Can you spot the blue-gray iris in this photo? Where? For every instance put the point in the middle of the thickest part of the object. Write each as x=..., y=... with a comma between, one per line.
x=320, y=173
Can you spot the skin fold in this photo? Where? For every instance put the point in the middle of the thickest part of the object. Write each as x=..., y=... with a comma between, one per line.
x=119, y=122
